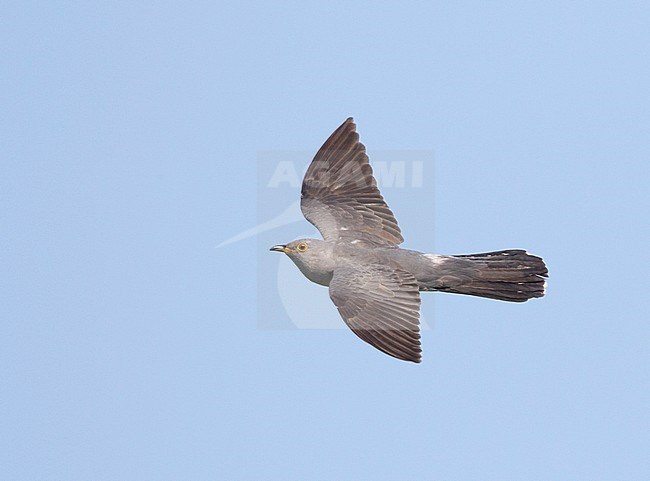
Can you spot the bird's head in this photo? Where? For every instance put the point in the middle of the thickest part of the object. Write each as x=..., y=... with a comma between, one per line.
x=299, y=248
x=312, y=256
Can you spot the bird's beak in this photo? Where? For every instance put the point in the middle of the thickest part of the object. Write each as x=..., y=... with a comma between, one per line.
x=280, y=248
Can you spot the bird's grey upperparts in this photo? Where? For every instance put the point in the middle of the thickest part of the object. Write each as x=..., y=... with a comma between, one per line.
x=373, y=282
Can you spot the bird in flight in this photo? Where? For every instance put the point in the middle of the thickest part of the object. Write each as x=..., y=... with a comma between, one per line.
x=374, y=283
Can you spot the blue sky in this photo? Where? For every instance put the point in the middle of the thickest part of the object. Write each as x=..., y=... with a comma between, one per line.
x=132, y=348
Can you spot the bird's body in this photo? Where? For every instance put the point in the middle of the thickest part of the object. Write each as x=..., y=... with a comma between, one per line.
x=374, y=283
x=433, y=272
x=426, y=268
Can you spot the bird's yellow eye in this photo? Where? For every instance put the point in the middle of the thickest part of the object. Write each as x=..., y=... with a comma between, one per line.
x=302, y=247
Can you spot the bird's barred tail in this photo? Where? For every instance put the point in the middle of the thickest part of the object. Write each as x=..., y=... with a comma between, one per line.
x=511, y=275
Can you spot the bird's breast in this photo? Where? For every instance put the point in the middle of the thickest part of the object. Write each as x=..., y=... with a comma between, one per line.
x=318, y=276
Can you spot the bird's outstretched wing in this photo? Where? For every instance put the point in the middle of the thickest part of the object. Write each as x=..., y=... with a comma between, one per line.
x=340, y=195
x=381, y=304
